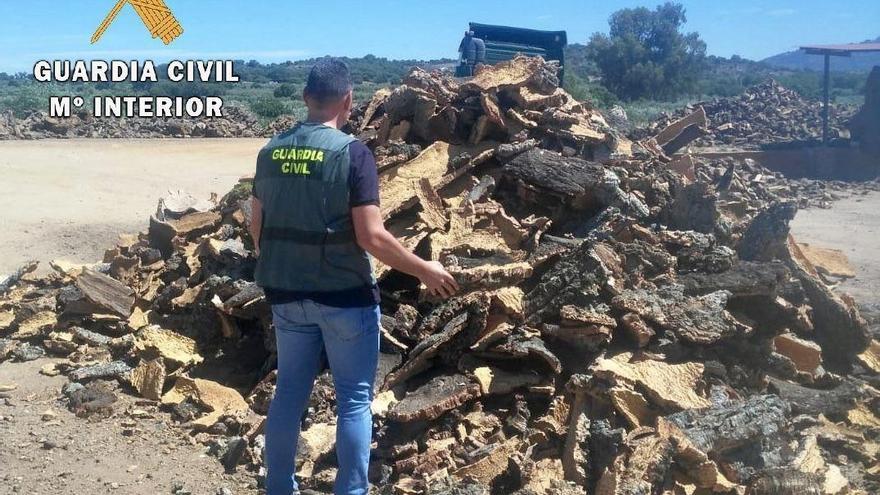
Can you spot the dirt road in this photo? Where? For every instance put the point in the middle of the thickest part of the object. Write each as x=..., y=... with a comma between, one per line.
x=70, y=199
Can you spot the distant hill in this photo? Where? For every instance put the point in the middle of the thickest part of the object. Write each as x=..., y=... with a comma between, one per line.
x=797, y=59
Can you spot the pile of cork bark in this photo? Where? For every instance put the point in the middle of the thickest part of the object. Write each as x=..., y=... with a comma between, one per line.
x=765, y=115
x=236, y=122
x=628, y=323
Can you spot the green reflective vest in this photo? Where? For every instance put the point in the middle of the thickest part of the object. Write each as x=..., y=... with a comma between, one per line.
x=307, y=242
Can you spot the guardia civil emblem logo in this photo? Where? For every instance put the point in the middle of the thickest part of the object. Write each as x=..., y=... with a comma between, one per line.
x=156, y=16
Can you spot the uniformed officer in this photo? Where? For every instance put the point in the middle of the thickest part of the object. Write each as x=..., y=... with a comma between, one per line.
x=468, y=50
x=315, y=217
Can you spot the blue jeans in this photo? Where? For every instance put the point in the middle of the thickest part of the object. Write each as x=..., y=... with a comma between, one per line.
x=350, y=337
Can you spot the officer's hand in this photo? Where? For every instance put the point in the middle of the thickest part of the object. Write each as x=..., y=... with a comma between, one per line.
x=438, y=281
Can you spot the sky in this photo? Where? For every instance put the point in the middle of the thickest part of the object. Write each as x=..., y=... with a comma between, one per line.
x=279, y=30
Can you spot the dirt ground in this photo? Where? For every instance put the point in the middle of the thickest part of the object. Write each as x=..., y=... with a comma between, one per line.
x=70, y=199
x=853, y=226
x=45, y=449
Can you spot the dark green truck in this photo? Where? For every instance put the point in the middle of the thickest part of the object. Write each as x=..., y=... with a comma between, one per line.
x=505, y=42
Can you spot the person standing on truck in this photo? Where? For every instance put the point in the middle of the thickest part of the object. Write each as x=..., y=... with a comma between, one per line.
x=315, y=217
x=468, y=50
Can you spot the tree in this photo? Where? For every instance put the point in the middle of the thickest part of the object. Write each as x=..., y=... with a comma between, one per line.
x=645, y=55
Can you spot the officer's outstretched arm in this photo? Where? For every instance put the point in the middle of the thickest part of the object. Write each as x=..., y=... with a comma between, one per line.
x=376, y=240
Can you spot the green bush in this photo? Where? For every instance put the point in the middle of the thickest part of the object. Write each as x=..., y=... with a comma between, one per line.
x=23, y=104
x=286, y=90
x=593, y=93
x=267, y=107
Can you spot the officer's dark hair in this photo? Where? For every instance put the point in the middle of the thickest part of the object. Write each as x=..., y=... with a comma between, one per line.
x=329, y=81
